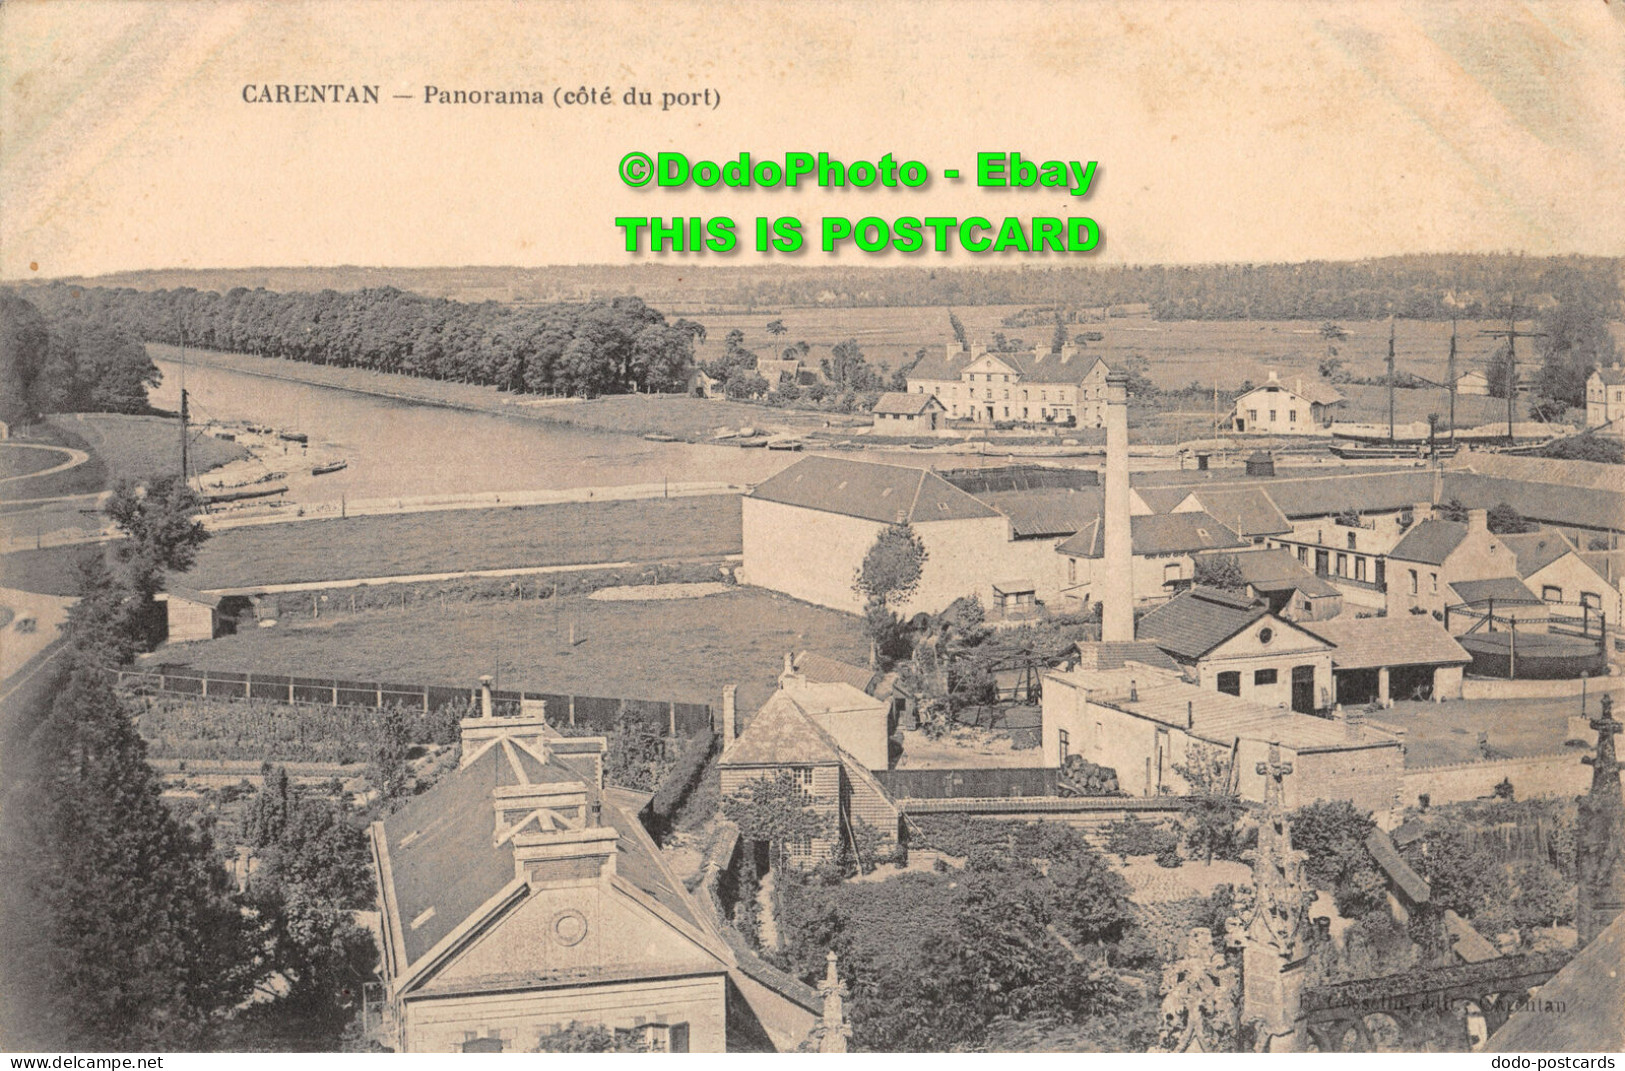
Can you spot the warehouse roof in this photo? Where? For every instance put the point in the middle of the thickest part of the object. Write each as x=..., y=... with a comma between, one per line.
x=1095, y=654
x=1047, y=511
x=1158, y=533
x=1248, y=510
x=871, y=491
x=1374, y=642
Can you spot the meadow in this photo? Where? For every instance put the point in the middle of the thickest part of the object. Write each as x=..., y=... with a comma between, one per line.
x=1229, y=351
x=464, y=540
x=685, y=650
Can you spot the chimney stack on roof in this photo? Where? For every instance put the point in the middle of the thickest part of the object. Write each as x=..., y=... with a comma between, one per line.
x=1478, y=520
x=485, y=697
x=728, y=727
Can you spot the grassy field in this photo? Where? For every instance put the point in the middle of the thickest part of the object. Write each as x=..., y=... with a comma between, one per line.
x=458, y=540
x=682, y=649
x=1178, y=351
x=121, y=446
x=16, y=460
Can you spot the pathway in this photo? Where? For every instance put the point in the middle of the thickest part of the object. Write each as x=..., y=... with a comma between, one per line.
x=75, y=459
x=422, y=578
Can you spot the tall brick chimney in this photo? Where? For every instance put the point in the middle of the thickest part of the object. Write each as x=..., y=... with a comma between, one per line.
x=1117, y=592
x=729, y=730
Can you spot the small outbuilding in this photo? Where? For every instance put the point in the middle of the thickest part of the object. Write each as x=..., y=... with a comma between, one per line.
x=197, y=615
x=1378, y=658
x=899, y=413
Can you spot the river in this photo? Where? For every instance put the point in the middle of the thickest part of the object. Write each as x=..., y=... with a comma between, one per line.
x=398, y=449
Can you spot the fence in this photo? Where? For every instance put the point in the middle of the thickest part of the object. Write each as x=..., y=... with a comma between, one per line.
x=970, y=783
x=668, y=717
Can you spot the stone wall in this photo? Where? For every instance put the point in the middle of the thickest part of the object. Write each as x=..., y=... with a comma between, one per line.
x=1560, y=774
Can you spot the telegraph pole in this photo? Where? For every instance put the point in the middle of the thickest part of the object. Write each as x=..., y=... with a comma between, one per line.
x=1512, y=334
x=1450, y=378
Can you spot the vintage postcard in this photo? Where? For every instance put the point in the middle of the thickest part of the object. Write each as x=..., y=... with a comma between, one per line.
x=1010, y=527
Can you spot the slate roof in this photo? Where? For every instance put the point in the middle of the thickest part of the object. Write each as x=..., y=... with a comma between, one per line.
x=871, y=491
x=826, y=670
x=1032, y=367
x=1094, y=654
x=1430, y=542
x=1308, y=388
x=781, y=734
x=1365, y=492
x=1549, y=503
x=1503, y=589
x=1373, y=642
x=905, y=404
x=940, y=366
x=1047, y=511
x=1407, y=880
x=1247, y=510
x=1162, y=499
x=1158, y=533
x=1280, y=570
x=1536, y=550
x=1612, y=377
x=192, y=595
x=1591, y=992
x=1194, y=622
x=444, y=866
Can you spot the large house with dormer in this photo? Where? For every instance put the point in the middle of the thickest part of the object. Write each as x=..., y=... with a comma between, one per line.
x=1067, y=388
x=519, y=896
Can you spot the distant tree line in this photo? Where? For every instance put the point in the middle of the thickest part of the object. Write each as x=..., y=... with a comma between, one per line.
x=614, y=346
x=68, y=363
x=1419, y=287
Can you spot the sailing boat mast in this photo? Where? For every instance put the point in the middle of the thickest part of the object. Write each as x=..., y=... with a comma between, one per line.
x=185, y=434
x=1512, y=334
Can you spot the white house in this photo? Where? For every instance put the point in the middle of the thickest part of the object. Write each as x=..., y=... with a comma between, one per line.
x=1031, y=388
x=1605, y=399
x=1304, y=408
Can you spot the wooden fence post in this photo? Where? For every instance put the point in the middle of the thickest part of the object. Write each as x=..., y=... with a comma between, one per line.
x=572, y=711
x=671, y=717
x=205, y=684
x=335, y=693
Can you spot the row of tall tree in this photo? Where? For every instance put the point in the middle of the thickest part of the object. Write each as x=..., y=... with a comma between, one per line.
x=614, y=346
x=120, y=927
x=68, y=363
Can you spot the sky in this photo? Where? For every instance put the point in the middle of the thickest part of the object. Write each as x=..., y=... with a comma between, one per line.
x=1222, y=131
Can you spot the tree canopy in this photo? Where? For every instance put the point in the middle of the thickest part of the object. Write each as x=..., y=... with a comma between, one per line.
x=612, y=346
